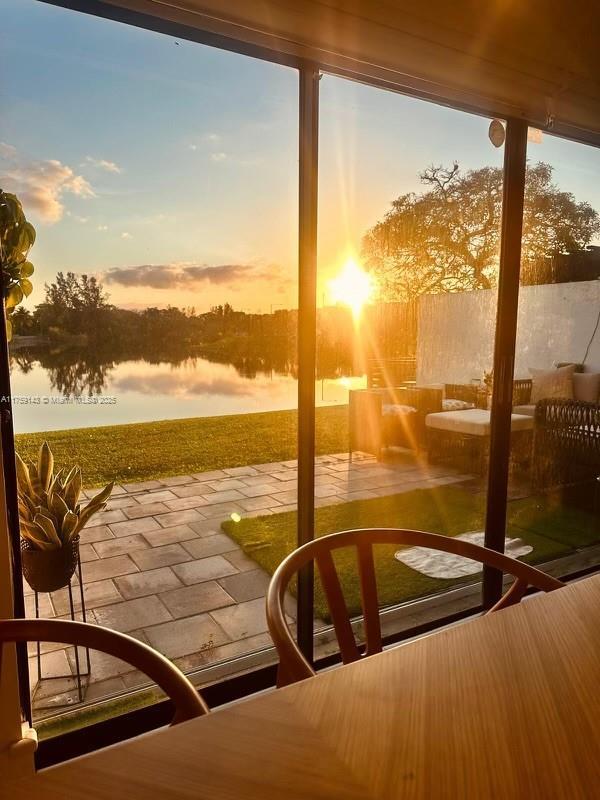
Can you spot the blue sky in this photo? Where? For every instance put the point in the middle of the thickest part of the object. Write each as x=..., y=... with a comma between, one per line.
x=150, y=162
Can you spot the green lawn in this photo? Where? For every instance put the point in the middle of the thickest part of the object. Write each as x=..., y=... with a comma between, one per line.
x=446, y=510
x=149, y=450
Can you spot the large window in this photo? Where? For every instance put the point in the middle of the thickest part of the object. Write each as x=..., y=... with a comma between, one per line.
x=410, y=208
x=158, y=347
x=557, y=365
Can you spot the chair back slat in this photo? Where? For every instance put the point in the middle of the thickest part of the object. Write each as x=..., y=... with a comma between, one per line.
x=513, y=596
x=293, y=664
x=337, y=606
x=370, y=602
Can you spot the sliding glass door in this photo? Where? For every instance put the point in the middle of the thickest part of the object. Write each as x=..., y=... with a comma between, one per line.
x=557, y=366
x=250, y=371
x=158, y=348
x=410, y=208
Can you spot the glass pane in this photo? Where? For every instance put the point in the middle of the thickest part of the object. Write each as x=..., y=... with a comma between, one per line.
x=557, y=367
x=409, y=226
x=166, y=172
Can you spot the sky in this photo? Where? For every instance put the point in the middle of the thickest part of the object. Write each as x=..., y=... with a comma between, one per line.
x=169, y=169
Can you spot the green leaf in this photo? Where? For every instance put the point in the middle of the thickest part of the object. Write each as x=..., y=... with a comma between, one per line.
x=27, y=269
x=14, y=297
x=69, y=526
x=45, y=465
x=26, y=287
x=23, y=477
x=47, y=527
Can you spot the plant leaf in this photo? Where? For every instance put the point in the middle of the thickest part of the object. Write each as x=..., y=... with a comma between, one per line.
x=45, y=465
x=69, y=526
x=47, y=527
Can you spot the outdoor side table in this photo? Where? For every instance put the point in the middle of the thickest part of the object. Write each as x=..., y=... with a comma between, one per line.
x=464, y=437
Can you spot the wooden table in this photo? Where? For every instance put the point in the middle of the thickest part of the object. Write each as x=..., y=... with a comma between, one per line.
x=507, y=706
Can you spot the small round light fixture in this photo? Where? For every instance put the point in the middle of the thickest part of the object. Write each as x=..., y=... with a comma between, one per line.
x=496, y=133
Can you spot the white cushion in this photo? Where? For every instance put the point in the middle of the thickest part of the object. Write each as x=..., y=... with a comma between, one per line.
x=396, y=409
x=456, y=405
x=586, y=386
x=474, y=422
x=528, y=410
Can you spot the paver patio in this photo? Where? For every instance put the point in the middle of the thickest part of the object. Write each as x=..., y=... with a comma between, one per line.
x=156, y=564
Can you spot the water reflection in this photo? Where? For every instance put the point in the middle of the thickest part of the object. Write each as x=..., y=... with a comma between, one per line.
x=156, y=387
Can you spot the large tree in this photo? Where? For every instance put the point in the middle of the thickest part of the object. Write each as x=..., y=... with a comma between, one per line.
x=447, y=238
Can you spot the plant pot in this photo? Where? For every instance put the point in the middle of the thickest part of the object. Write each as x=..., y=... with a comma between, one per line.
x=49, y=570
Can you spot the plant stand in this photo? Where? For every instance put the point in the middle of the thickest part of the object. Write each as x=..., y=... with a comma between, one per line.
x=79, y=673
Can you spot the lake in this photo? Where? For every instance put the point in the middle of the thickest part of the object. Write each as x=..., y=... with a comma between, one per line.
x=57, y=397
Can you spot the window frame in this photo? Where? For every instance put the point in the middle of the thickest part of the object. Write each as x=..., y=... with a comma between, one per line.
x=110, y=731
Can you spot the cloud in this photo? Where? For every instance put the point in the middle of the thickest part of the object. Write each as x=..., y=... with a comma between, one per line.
x=101, y=163
x=7, y=150
x=185, y=276
x=102, y=227
x=125, y=235
x=40, y=184
x=218, y=156
x=193, y=147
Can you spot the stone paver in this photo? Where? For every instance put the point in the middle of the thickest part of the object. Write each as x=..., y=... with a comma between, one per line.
x=120, y=546
x=184, y=636
x=163, y=556
x=132, y=614
x=210, y=546
x=142, y=525
x=179, y=518
x=189, y=600
x=204, y=569
x=108, y=568
x=242, y=619
x=246, y=585
x=152, y=581
x=139, y=510
x=178, y=533
x=158, y=566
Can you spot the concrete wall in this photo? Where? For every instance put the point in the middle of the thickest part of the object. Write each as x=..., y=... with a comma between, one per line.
x=455, y=341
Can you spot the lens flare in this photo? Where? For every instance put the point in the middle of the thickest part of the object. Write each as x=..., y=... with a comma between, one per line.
x=353, y=287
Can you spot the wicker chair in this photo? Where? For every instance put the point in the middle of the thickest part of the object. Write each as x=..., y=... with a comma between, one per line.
x=371, y=430
x=566, y=448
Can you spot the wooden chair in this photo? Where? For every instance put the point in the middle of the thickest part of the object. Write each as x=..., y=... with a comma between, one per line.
x=188, y=703
x=292, y=664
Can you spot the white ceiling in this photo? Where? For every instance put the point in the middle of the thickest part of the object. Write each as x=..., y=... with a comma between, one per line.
x=537, y=58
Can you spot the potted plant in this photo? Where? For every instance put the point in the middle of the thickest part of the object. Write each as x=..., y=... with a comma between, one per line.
x=51, y=519
x=16, y=239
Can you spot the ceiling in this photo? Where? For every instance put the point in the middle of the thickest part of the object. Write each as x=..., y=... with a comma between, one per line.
x=538, y=59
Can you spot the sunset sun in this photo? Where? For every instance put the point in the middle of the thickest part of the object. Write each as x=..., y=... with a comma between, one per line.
x=352, y=287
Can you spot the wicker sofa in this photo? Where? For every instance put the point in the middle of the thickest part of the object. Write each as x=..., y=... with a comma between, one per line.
x=566, y=449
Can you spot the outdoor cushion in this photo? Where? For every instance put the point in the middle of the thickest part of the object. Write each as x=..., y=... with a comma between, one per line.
x=552, y=383
x=396, y=409
x=528, y=410
x=473, y=422
x=586, y=386
x=456, y=405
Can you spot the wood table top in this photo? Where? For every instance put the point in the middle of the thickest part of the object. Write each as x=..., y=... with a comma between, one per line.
x=505, y=706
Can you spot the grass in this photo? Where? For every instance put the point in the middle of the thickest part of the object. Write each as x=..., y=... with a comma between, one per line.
x=149, y=450
x=447, y=510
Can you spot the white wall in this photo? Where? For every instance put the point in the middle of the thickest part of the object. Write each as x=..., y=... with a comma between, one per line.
x=456, y=331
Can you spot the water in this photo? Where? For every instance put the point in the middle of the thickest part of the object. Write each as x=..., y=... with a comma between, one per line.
x=140, y=391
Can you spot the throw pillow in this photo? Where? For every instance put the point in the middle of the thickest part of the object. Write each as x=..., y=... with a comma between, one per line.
x=396, y=410
x=552, y=383
x=456, y=405
x=586, y=386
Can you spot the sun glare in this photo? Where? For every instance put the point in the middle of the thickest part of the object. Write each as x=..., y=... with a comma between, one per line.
x=353, y=287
